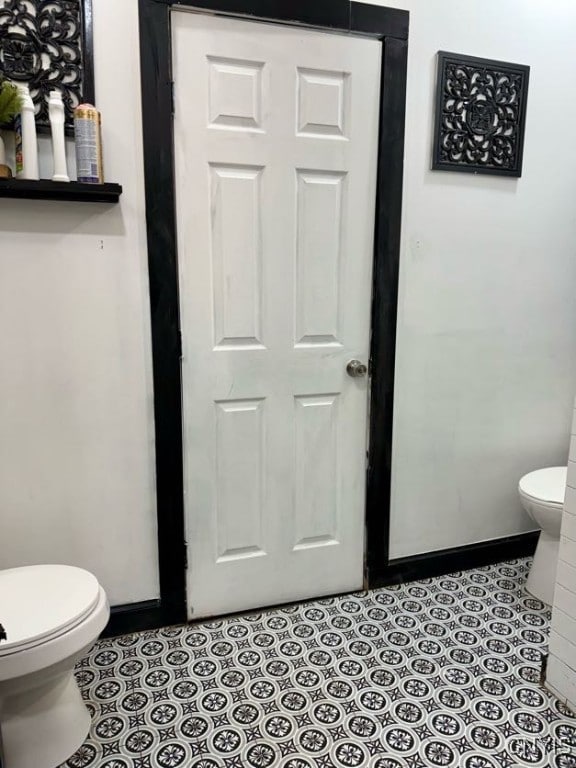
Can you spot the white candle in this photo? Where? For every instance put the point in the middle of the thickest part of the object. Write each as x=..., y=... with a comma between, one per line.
x=56, y=114
x=27, y=152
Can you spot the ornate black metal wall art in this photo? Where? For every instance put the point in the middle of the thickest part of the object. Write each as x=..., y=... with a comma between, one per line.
x=48, y=44
x=480, y=115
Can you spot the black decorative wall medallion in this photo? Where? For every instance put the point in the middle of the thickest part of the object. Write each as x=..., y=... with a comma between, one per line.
x=48, y=44
x=480, y=115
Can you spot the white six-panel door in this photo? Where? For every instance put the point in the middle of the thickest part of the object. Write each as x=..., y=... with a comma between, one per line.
x=275, y=148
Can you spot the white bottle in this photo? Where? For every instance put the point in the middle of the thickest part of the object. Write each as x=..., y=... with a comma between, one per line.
x=56, y=114
x=26, y=142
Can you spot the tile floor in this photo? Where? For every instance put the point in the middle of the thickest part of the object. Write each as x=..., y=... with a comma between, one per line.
x=441, y=672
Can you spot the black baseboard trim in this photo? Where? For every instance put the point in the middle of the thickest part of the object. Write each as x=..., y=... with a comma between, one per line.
x=445, y=561
x=150, y=614
x=135, y=617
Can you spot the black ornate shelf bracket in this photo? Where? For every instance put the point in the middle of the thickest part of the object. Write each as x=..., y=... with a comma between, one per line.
x=480, y=115
x=48, y=44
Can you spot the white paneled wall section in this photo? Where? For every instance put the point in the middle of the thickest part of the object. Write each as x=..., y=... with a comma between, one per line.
x=561, y=670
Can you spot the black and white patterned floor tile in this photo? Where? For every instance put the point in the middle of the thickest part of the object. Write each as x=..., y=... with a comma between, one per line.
x=441, y=672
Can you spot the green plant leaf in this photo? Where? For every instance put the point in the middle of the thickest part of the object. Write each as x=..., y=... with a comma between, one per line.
x=10, y=101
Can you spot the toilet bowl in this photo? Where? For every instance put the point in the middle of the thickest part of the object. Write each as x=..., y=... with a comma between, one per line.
x=542, y=496
x=52, y=615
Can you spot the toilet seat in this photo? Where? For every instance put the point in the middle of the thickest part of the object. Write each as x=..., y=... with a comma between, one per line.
x=52, y=615
x=40, y=603
x=546, y=486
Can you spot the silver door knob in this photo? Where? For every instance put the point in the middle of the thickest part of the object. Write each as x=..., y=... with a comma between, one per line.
x=356, y=369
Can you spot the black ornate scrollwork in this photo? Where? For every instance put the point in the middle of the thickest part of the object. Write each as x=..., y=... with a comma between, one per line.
x=480, y=115
x=44, y=43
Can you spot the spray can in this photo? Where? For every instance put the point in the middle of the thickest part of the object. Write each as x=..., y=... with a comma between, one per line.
x=88, y=135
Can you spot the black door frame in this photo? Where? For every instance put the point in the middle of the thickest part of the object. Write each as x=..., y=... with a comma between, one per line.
x=390, y=26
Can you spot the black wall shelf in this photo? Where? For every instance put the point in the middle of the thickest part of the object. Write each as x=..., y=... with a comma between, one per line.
x=45, y=189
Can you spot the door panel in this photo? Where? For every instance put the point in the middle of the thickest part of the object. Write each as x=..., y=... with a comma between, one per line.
x=236, y=255
x=317, y=499
x=240, y=475
x=235, y=94
x=323, y=108
x=318, y=263
x=275, y=147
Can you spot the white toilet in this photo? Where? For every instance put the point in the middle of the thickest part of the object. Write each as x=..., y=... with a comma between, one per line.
x=542, y=496
x=51, y=615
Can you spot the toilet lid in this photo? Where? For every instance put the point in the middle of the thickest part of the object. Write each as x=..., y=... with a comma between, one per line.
x=40, y=602
x=545, y=484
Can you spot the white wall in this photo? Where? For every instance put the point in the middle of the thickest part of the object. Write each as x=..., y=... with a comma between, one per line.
x=486, y=360
x=76, y=419
x=561, y=670
x=486, y=368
